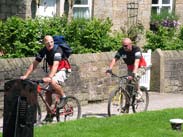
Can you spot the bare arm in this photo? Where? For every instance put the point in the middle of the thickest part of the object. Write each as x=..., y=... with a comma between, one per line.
x=54, y=69
x=31, y=68
x=113, y=62
x=136, y=65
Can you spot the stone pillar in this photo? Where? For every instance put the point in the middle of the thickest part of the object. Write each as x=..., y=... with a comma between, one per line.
x=155, y=73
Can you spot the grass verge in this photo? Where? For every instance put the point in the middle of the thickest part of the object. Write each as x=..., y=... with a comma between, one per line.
x=146, y=124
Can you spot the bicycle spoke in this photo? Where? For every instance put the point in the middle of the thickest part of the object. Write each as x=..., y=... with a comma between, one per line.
x=72, y=109
x=116, y=103
x=142, y=104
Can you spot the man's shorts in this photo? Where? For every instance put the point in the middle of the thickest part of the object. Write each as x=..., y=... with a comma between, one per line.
x=140, y=72
x=60, y=77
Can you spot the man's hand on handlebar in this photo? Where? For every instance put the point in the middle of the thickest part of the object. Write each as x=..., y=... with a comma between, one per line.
x=109, y=72
x=131, y=77
x=23, y=77
x=47, y=79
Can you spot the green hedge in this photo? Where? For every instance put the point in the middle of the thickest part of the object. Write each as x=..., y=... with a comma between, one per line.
x=165, y=38
x=21, y=38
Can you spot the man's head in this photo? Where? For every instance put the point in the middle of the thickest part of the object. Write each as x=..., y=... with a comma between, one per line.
x=127, y=44
x=48, y=42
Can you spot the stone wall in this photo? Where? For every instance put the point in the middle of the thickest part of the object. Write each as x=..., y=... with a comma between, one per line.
x=179, y=10
x=88, y=81
x=167, y=71
x=117, y=11
x=13, y=8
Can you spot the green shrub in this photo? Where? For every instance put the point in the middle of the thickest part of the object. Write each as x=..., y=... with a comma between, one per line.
x=22, y=37
x=92, y=36
x=164, y=38
x=164, y=19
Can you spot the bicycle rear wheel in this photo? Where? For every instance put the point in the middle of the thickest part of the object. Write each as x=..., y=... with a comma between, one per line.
x=71, y=110
x=142, y=104
x=38, y=115
x=116, y=102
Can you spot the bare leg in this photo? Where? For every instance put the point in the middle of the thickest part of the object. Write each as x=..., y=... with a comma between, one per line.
x=49, y=100
x=58, y=89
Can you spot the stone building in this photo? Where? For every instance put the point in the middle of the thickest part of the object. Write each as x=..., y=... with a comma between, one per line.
x=123, y=13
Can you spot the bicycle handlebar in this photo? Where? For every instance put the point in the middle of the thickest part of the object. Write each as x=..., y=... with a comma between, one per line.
x=121, y=77
x=36, y=81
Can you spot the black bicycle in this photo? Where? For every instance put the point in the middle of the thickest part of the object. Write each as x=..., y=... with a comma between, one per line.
x=124, y=97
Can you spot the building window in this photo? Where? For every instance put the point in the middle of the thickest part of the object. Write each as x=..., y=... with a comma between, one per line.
x=159, y=6
x=82, y=8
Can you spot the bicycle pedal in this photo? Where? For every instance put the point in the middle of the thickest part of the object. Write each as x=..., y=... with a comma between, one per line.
x=115, y=104
x=140, y=100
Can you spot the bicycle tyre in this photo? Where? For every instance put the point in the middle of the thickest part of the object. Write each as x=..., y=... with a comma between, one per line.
x=71, y=110
x=116, y=102
x=38, y=115
x=142, y=105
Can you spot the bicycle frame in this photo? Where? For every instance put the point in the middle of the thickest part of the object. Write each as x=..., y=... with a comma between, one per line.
x=54, y=109
x=118, y=104
x=124, y=83
x=39, y=91
x=71, y=109
x=128, y=88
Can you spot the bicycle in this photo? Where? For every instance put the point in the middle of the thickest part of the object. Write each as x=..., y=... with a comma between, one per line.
x=124, y=96
x=70, y=111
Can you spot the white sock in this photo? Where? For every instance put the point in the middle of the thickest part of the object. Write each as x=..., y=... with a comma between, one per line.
x=64, y=96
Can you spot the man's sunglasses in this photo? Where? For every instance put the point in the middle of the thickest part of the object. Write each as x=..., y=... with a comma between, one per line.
x=125, y=46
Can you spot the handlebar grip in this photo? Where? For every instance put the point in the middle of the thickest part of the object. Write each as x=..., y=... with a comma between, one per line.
x=36, y=81
x=40, y=81
x=109, y=71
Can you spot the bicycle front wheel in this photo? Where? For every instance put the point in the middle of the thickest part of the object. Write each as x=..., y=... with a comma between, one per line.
x=141, y=105
x=116, y=102
x=71, y=110
x=39, y=115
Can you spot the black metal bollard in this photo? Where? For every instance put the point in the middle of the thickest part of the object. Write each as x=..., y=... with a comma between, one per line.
x=19, y=116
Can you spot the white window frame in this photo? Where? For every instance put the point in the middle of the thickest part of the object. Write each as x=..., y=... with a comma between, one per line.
x=89, y=6
x=160, y=5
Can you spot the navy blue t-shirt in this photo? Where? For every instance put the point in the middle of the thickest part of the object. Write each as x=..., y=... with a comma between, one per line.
x=129, y=57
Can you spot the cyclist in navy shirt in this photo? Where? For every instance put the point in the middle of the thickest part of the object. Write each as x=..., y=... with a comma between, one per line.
x=134, y=60
x=58, y=66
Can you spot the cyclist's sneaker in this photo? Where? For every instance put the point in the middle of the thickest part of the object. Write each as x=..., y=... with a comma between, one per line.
x=125, y=109
x=48, y=118
x=62, y=102
x=139, y=95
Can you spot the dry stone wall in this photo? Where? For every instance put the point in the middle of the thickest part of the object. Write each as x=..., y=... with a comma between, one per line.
x=167, y=71
x=88, y=81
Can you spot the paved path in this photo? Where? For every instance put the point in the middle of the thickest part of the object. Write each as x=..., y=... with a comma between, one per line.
x=157, y=101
